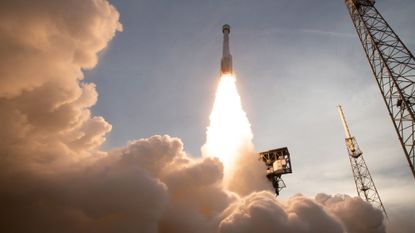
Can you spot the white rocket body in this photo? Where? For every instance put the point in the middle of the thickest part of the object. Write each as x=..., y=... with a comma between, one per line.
x=226, y=61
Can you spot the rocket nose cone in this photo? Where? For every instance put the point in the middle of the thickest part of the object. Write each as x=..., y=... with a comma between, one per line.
x=227, y=28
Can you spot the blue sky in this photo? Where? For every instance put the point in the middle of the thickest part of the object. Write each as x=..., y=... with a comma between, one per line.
x=294, y=60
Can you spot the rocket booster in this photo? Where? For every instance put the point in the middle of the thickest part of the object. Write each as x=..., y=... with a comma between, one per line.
x=226, y=61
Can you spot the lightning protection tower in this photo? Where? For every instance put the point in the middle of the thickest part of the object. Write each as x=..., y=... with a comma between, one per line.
x=278, y=162
x=393, y=67
x=365, y=186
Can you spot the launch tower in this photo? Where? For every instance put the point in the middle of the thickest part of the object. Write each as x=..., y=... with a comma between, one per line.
x=393, y=67
x=365, y=186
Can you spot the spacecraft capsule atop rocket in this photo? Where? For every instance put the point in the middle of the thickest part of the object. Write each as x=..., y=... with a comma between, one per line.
x=226, y=61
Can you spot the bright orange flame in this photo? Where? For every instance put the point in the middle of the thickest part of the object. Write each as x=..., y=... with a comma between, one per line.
x=229, y=130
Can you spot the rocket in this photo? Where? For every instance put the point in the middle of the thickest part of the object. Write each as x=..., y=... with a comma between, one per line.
x=226, y=61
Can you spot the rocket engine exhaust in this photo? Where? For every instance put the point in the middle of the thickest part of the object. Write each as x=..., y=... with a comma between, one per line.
x=226, y=61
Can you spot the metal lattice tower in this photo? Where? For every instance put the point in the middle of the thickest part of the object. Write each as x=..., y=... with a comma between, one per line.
x=393, y=67
x=365, y=186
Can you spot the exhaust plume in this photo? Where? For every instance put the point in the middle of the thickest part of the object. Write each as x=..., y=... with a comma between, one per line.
x=229, y=138
x=229, y=131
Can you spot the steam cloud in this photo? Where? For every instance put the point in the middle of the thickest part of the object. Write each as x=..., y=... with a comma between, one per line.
x=44, y=105
x=54, y=179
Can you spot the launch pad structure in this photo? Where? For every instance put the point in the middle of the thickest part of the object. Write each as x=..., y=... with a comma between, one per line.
x=278, y=162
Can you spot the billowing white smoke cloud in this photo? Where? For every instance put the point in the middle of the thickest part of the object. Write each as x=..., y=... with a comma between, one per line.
x=152, y=186
x=348, y=209
x=54, y=179
x=261, y=212
x=44, y=45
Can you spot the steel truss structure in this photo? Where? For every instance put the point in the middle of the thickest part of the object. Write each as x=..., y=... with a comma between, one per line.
x=393, y=67
x=278, y=163
x=365, y=186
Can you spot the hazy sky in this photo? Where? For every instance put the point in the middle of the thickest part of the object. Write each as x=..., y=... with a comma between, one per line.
x=294, y=60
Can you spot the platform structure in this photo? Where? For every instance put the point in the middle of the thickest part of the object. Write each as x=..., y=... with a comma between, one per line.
x=278, y=163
